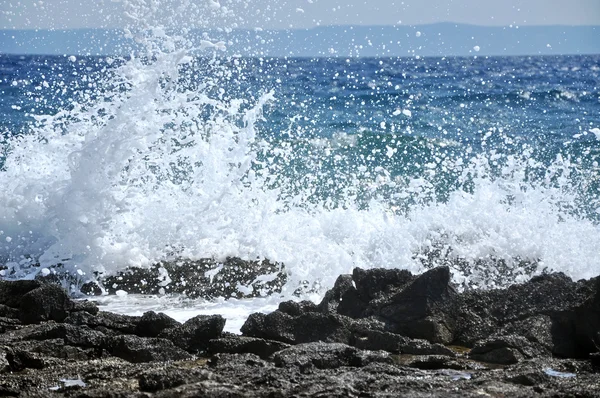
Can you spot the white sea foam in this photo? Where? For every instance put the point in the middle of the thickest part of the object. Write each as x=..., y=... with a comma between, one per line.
x=158, y=169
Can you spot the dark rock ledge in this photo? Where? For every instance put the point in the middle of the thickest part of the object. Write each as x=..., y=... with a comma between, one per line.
x=377, y=333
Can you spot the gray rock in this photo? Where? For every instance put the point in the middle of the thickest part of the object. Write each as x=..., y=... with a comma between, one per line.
x=11, y=292
x=152, y=324
x=327, y=356
x=47, y=302
x=194, y=335
x=420, y=309
x=81, y=336
x=246, y=345
x=307, y=327
x=142, y=349
x=506, y=350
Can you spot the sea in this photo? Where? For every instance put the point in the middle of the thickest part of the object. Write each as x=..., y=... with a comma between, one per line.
x=489, y=165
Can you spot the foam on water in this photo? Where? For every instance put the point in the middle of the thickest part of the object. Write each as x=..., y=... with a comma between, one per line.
x=155, y=169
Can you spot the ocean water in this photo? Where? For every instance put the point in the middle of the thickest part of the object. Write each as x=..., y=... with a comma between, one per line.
x=487, y=164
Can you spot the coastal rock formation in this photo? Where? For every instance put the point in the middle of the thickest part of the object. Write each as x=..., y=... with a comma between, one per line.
x=375, y=333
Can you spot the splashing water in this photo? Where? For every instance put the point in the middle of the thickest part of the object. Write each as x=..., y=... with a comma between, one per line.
x=161, y=161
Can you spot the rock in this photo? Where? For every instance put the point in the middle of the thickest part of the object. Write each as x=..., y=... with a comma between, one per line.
x=163, y=379
x=20, y=359
x=480, y=314
x=327, y=356
x=142, y=349
x=246, y=345
x=81, y=336
x=586, y=320
x=433, y=362
x=419, y=310
x=152, y=324
x=372, y=284
x=106, y=322
x=334, y=296
x=207, y=278
x=11, y=292
x=85, y=305
x=305, y=328
x=506, y=350
x=294, y=308
x=8, y=312
x=195, y=334
x=395, y=343
x=47, y=302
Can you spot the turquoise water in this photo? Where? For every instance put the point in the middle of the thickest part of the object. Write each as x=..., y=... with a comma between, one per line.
x=323, y=164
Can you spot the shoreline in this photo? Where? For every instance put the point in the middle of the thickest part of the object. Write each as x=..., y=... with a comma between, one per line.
x=377, y=332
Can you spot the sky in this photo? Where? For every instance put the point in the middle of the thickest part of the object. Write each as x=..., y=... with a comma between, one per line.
x=284, y=14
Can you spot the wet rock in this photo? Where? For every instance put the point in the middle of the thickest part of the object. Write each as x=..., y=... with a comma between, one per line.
x=306, y=327
x=506, y=350
x=163, y=379
x=352, y=299
x=586, y=321
x=20, y=359
x=419, y=310
x=548, y=301
x=395, y=343
x=246, y=345
x=86, y=306
x=152, y=324
x=207, y=278
x=294, y=308
x=434, y=362
x=334, y=296
x=327, y=356
x=374, y=283
x=142, y=349
x=195, y=334
x=47, y=302
x=11, y=292
x=8, y=312
x=81, y=336
x=106, y=322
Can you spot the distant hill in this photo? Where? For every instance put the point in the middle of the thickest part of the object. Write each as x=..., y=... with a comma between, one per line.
x=442, y=39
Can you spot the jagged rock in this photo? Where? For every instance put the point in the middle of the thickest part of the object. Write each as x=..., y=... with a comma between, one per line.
x=106, y=322
x=8, y=312
x=366, y=286
x=20, y=359
x=11, y=292
x=586, y=321
x=47, y=302
x=143, y=349
x=294, y=308
x=163, y=379
x=506, y=350
x=395, y=343
x=419, y=310
x=334, y=296
x=327, y=356
x=81, y=336
x=372, y=284
x=305, y=328
x=195, y=334
x=152, y=324
x=433, y=362
x=86, y=306
x=246, y=345
x=207, y=278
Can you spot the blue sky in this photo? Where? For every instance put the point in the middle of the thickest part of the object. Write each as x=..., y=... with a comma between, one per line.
x=277, y=14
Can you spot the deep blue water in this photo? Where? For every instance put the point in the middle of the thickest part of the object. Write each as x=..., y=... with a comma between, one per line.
x=424, y=108
x=480, y=156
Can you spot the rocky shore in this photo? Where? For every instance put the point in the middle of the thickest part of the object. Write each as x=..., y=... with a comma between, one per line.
x=376, y=333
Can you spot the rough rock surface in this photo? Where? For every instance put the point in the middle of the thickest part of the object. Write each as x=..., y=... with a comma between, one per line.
x=379, y=333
